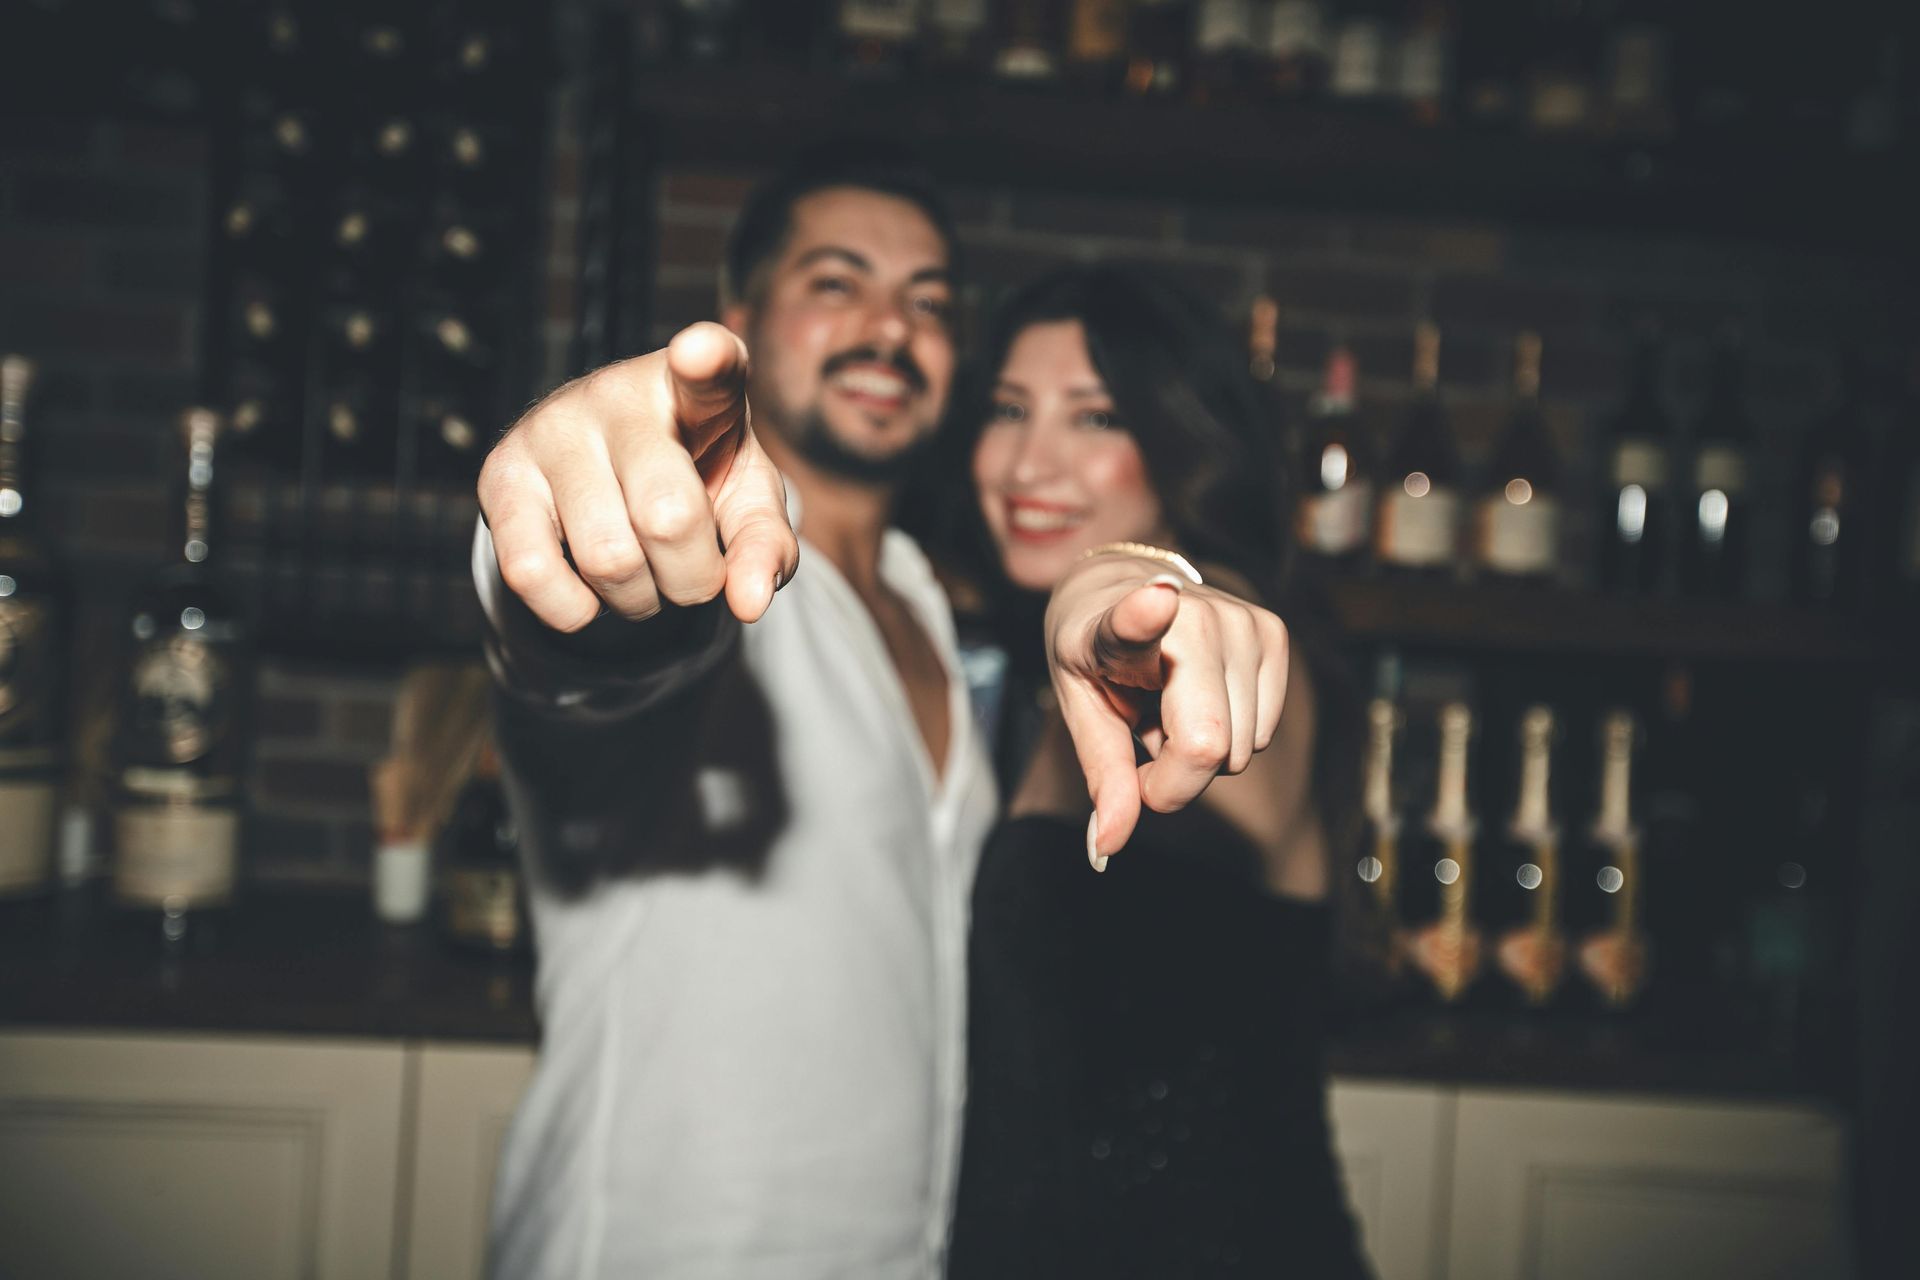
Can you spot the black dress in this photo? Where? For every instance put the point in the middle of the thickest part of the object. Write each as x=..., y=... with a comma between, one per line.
x=1146, y=1096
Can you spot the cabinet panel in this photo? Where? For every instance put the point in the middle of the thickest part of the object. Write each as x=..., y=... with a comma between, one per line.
x=1555, y=1187
x=200, y=1158
x=1394, y=1145
x=464, y=1100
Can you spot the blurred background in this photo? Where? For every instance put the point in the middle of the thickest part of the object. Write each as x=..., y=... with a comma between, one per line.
x=1625, y=291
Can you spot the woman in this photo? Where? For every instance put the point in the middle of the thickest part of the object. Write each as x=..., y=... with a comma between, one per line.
x=1146, y=1093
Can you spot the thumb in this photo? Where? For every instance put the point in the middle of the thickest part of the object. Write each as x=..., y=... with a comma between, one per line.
x=1126, y=640
x=1104, y=746
x=707, y=373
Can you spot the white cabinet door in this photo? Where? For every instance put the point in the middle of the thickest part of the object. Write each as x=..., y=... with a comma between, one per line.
x=1565, y=1187
x=202, y=1158
x=1393, y=1141
x=463, y=1101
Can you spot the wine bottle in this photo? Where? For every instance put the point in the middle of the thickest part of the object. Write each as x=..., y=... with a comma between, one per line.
x=1417, y=529
x=1518, y=520
x=1636, y=499
x=1296, y=49
x=32, y=613
x=1835, y=479
x=1443, y=940
x=179, y=754
x=484, y=903
x=1522, y=887
x=1335, y=469
x=1716, y=560
x=1362, y=54
x=1614, y=951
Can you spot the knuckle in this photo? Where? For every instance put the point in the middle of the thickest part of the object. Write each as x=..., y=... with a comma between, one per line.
x=670, y=517
x=525, y=571
x=695, y=588
x=1208, y=744
x=609, y=560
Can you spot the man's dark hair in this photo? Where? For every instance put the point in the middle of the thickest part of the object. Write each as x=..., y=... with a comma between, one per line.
x=766, y=219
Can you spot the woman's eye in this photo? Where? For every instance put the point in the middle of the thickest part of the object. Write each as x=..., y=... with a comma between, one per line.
x=1007, y=411
x=1097, y=420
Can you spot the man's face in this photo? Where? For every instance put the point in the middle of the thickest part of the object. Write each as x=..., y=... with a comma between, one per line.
x=849, y=333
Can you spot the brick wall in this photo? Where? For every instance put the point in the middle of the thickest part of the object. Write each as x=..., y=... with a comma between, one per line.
x=100, y=255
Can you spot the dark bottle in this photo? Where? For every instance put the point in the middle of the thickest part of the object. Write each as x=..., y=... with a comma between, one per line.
x=1607, y=897
x=1833, y=527
x=180, y=750
x=1417, y=528
x=32, y=616
x=1517, y=522
x=1335, y=469
x=1722, y=499
x=1637, y=500
x=1521, y=888
x=1443, y=942
x=482, y=897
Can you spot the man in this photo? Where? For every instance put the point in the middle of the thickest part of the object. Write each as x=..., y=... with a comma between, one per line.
x=753, y=844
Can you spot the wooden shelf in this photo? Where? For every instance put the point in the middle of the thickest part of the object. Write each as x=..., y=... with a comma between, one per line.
x=1547, y=621
x=1300, y=156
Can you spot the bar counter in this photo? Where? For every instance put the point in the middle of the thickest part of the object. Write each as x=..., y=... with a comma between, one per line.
x=319, y=964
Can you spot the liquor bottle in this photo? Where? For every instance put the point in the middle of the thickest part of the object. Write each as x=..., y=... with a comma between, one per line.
x=1027, y=50
x=1636, y=515
x=1295, y=49
x=1159, y=41
x=1097, y=43
x=1613, y=952
x=484, y=904
x=32, y=611
x=1835, y=478
x=1517, y=525
x=1417, y=529
x=877, y=35
x=179, y=751
x=1521, y=890
x=1716, y=544
x=1424, y=70
x=1335, y=469
x=1443, y=940
x=1379, y=864
x=1223, y=50
x=957, y=33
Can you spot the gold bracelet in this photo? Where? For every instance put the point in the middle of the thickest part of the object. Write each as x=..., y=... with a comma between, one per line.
x=1146, y=551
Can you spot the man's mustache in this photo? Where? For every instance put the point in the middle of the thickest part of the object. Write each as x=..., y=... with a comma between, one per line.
x=899, y=361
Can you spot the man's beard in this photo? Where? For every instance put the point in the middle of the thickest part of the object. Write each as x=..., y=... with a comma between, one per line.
x=814, y=439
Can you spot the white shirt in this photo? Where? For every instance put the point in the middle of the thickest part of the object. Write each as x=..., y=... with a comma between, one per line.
x=752, y=1073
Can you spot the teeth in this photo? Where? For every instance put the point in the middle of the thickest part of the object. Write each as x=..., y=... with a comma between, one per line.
x=871, y=382
x=1032, y=520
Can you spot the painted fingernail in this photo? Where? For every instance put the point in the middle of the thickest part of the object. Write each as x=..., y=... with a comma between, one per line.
x=1095, y=859
x=1167, y=580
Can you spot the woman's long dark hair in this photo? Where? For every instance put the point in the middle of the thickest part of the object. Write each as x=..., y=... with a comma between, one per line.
x=1210, y=436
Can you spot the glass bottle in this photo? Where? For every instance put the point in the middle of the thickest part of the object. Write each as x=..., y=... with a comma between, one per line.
x=1521, y=890
x=1636, y=515
x=1722, y=511
x=1417, y=526
x=1517, y=524
x=1443, y=941
x=1335, y=469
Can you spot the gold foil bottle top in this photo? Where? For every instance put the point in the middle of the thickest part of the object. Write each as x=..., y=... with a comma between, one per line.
x=1450, y=802
x=199, y=427
x=1383, y=721
x=1526, y=365
x=16, y=380
x=1536, y=728
x=1532, y=811
x=1426, y=356
x=1617, y=731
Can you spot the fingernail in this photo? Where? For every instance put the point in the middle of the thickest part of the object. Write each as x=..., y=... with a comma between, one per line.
x=1167, y=580
x=779, y=580
x=1095, y=859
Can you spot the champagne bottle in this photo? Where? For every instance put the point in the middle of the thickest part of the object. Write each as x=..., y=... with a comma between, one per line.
x=1417, y=529
x=1443, y=941
x=1835, y=480
x=179, y=755
x=1335, y=469
x=1716, y=561
x=32, y=611
x=1614, y=950
x=1379, y=863
x=1522, y=885
x=1636, y=515
x=1518, y=521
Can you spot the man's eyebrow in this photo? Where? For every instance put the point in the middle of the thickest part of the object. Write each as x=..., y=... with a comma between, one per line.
x=941, y=274
x=852, y=259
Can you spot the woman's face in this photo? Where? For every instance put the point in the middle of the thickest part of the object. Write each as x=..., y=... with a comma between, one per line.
x=1056, y=471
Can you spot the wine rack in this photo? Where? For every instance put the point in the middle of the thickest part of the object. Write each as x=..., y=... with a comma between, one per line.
x=370, y=319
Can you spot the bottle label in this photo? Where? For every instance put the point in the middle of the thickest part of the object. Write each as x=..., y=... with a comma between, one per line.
x=1295, y=29
x=170, y=852
x=1522, y=537
x=1723, y=468
x=182, y=698
x=1335, y=522
x=1422, y=531
x=26, y=833
x=26, y=675
x=878, y=19
x=1359, y=59
x=1641, y=462
x=481, y=906
x=1224, y=25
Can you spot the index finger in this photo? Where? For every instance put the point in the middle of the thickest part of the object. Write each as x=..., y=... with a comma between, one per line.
x=707, y=372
